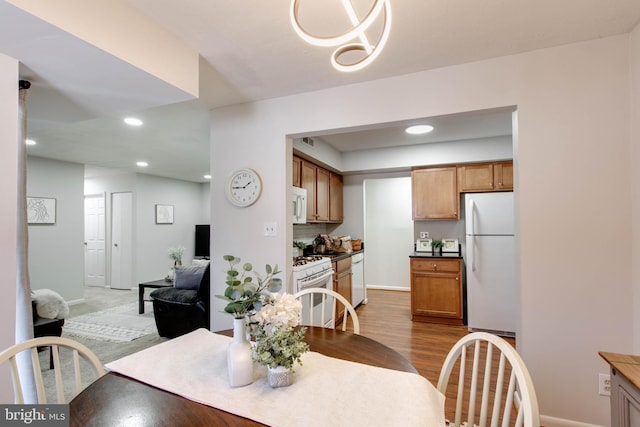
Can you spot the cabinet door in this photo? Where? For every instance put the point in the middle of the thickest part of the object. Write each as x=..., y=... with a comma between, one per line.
x=296, y=177
x=476, y=177
x=436, y=295
x=336, y=210
x=308, y=181
x=322, y=194
x=435, y=193
x=503, y=175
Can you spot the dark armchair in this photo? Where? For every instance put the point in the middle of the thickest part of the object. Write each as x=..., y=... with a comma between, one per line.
x=178, y=311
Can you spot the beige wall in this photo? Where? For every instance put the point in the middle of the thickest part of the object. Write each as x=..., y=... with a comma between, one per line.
x=8, y=174
x=634, y=56
x=572, y=178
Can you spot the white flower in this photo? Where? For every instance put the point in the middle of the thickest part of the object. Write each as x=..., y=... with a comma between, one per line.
x=282, y=310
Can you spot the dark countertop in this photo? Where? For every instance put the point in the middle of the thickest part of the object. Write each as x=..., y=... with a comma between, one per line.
x=340, y=256
x=454, y=255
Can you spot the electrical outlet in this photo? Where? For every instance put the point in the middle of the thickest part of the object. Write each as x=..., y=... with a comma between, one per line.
x=270, y=229
x=424, y=234
x=604, y=384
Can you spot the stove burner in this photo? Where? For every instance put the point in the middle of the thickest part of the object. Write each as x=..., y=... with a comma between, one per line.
x=302, y=260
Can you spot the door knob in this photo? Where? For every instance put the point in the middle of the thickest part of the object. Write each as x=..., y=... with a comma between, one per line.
x=115, y=244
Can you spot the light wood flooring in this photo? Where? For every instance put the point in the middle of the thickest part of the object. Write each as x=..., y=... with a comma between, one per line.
x=387, y=319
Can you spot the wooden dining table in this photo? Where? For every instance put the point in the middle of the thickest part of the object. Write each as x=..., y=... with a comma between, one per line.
x=117, y=400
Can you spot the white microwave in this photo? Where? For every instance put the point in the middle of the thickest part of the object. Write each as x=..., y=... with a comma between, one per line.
x=299, y=205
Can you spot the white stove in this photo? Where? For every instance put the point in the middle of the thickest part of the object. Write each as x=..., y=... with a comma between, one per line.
x=313, y=272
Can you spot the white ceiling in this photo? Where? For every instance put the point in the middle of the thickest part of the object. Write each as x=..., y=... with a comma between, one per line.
x=250, y=52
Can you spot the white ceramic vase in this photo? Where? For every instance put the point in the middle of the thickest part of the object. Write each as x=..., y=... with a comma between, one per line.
x=239, y=361
x=279, y=376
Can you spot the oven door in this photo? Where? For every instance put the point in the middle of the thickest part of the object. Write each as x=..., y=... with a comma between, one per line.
x=322, y=280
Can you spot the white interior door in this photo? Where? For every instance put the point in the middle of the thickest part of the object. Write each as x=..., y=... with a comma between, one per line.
x=122, y=241
x=94, y=241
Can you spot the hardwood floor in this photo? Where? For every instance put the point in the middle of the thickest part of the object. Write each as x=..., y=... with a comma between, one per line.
x=387, y=319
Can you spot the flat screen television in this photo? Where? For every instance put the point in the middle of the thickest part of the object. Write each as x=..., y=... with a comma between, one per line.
x=202, y=241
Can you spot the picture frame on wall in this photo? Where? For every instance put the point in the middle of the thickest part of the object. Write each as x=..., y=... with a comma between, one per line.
x=164, y=214
x=41, y=210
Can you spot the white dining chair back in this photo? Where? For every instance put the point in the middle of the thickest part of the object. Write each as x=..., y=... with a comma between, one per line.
x=82, y=356
x=329, y=297
x=493, y=403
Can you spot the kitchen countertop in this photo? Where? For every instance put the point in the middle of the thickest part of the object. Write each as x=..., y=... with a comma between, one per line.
x=627, y=365
x=454, y=255
x=340, y=256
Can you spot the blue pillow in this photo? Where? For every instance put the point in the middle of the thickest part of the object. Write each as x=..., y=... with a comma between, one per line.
x=188, y=277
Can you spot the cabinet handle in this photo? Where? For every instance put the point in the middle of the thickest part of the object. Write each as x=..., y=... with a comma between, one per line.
x=500, y=184
x=491, y=184
x=457, y=278
x=435, y=266
x=455, y=213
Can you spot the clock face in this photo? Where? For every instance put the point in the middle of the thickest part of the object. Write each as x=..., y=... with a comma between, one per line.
x=244, y=187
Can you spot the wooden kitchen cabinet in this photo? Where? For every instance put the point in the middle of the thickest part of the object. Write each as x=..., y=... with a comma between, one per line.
x=497, y=176
x=297, y=172
x=336, y=208
x=434, y=193
x=342, y=285
x=324, y=193
x=436, y=290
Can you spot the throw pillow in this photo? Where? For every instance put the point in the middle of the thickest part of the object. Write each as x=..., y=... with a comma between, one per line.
x=202, y=262
x=49, y=304
x=188, y=277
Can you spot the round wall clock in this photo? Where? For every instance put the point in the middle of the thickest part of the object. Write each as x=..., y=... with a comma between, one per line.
x=244, y=187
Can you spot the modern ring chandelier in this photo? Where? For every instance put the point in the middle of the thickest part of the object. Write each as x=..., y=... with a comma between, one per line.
x=346, y=41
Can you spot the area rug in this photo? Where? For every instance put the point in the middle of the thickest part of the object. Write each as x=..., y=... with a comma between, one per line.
x=117, y=324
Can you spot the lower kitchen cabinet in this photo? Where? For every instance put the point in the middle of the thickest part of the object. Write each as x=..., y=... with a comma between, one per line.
x=625, y=393
x=436, y=290
x=342, y=284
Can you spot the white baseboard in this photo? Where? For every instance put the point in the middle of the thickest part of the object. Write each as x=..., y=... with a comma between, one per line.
x=388, y=288
x=548, y=421
x=75, y=301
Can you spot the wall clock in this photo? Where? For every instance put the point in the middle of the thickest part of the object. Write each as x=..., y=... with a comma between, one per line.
x=244, y=187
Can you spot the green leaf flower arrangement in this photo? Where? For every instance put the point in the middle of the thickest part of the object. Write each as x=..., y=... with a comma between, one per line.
x=278, y=341
x=245, y=296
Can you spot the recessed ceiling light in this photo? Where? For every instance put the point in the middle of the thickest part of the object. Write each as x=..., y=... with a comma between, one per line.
x=419, y=129
x=207, y=176
x=132, y=121
x=142, y=164
x=30, y=142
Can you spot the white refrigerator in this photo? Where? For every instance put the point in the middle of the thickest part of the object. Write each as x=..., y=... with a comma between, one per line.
x=490, y=263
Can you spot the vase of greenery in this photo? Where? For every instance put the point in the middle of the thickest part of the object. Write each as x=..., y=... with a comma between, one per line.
x=176, y=255
x=436, y=247
x=244, y=297
x=279, y=344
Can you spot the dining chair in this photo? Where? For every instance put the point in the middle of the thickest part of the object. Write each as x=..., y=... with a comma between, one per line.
x=322, y=297
x=516, y=405
x=80, y=353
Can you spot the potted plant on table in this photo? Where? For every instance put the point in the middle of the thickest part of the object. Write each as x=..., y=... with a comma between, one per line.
x=176, y=255
x=244, y=297
x=278, y=343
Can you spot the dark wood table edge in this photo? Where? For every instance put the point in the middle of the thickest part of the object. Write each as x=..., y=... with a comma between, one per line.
x=321, y=340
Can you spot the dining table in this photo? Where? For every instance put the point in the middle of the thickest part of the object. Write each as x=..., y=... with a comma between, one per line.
x=345, y=378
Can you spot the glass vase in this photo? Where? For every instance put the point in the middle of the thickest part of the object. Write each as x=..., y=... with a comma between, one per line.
x=239, y=361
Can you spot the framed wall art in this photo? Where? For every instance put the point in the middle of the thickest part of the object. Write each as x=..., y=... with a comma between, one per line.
x=41, y=210
x=164, y=214
x=450, y=245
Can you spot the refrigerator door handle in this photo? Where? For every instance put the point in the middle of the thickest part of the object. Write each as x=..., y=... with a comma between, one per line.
x=471, y=232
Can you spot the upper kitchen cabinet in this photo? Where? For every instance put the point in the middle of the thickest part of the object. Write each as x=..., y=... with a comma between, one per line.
x=297, y=172
x=435, y=194
x=324, y=193
x=336, y=210
x=485, y=177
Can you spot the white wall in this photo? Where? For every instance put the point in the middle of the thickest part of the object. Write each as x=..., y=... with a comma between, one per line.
x=8, y=190
x=634, y=54
x=388, y=232
x=573, y=152
x=56, y=252
x=154, y=240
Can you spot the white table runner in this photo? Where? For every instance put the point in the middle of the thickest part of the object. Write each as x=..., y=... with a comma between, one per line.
x=325, y=391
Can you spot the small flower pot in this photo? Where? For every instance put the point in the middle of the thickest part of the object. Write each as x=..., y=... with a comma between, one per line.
x=279, y=377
